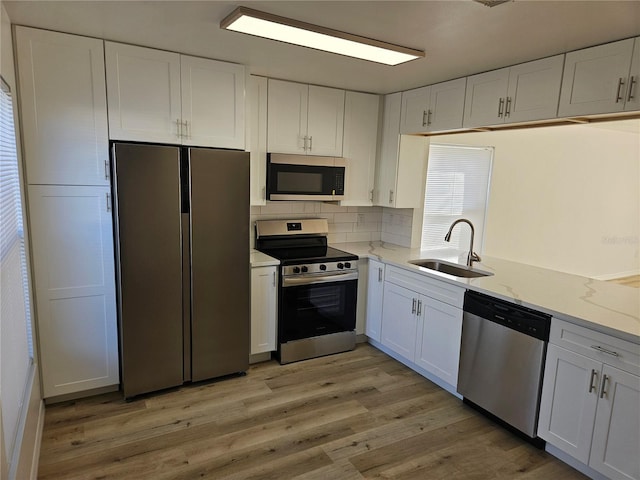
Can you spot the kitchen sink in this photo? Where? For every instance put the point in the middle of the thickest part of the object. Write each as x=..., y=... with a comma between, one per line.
x=450, y=268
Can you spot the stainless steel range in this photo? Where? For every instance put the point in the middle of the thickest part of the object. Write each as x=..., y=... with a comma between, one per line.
x=317, y=288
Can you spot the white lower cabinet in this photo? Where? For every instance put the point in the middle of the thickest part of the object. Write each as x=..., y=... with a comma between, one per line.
x=422, y=322
x=375, y=293
x=264, y=285
x=73, y=263
x=589, y=408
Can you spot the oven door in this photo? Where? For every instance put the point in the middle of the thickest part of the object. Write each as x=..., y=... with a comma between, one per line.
x=313, y=305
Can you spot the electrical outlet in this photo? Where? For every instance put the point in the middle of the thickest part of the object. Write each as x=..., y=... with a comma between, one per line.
x=361, y=218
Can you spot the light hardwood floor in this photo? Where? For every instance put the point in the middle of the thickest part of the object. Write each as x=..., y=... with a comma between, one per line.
x=350, y=416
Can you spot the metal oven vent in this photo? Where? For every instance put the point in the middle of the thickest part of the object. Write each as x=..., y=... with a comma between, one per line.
x=492, y=3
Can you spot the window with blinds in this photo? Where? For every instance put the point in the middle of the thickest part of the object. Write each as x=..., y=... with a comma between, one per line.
x=458, y=179
x=16, y=348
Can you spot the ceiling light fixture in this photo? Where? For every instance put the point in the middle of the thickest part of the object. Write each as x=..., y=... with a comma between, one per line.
x=266, y=25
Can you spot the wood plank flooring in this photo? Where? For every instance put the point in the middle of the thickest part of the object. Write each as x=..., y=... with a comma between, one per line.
x=633, y=281
x=356, y=415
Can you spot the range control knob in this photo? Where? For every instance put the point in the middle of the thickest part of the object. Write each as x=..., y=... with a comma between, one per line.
x=347, y=264
x=305, y=269
x=296, y=269
x=340, y=266
x=323, y=267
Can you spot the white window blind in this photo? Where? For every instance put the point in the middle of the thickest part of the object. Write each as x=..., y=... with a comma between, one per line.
x=457, y=187
x=16, y=346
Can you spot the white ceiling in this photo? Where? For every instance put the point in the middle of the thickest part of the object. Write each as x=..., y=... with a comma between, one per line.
x=460, y=37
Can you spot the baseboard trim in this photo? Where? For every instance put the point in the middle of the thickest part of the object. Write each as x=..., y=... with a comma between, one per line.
x=35, y=460
x=572, y=462
x=85, y=393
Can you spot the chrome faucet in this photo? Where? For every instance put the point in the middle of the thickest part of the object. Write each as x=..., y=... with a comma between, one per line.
x=473, y=256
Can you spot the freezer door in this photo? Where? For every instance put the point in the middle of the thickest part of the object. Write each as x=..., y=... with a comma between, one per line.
x=148, y=223
x=220, y=272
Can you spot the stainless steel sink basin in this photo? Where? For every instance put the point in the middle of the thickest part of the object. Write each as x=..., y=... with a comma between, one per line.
x=450, y=268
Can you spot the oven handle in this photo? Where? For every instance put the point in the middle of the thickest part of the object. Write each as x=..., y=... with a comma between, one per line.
x=312, y=279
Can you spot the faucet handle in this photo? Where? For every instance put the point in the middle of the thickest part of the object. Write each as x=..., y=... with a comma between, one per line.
x=475, y=257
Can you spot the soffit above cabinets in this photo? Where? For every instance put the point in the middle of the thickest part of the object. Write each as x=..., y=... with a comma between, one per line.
x=460, y=37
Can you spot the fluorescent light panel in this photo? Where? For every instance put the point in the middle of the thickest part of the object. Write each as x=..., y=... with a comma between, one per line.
x=253, y=22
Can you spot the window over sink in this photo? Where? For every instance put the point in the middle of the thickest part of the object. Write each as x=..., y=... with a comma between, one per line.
x=458, y=181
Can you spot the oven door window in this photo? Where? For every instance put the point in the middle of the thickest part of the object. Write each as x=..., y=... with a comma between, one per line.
x=318, y=309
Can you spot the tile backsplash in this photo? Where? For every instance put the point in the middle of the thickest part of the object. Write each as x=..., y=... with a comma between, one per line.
x=346, y=224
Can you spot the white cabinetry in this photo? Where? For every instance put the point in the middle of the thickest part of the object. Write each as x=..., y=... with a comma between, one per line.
x=158, y=96
x=402, y=162
x=257, y=137
x=524, y=92
x=433, y=108
x=599, y=80
x=422, y=322
x=360, y=147
x=590, y=406
x=305, y=119
x=263, y=309
x=63, y=108
x=72, y=248
x=375, y=292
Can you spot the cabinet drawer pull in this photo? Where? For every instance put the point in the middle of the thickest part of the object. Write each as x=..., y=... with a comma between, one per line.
x=413, y=307
x=603, y=392
x=108, y=201
x=619, y=97
x=594, y=376
x=632, y=82
x=106, y=169
x=604, y=350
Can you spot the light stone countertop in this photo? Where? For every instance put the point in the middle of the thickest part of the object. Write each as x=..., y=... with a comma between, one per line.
x=259, y=259
x=604, y=306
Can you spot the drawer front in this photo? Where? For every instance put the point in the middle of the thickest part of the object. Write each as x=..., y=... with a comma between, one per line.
x=426, y=286
x=598, y=346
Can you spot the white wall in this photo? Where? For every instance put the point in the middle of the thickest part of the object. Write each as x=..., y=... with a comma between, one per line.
x=565, y=198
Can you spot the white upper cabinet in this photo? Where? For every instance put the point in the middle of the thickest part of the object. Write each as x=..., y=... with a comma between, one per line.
x=143, y=90
x=632, y=96
x=63, y=107
x=305, y=119
x=73, y=260
x=402, y=162
x=415, y=104
x=524, y=92
x=158, y=96
x=597, y=79
x=257, y=137
x=360, y=147
x=433, y=108
x=212, y=103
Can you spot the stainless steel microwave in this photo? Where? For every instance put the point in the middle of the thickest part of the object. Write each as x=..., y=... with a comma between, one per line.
x=305, y=177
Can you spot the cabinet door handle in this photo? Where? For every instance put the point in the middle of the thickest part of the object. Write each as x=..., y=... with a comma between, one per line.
x=594, y=376
x=310, y=143
x=108, y=197
x=264, y=193
x=425, y=120
x=632, y=82
x=413, y=306
x=500, y=106
x=178, y=128
x=604, y=350
x=379, y=274
x=429, y=113
x=274, y=279
x=620, y=84
x=106, y=169
x=187, y=129
x=603, y=392
x=507, y=110
x=371, y=195
x=419, y=308
x=390, y=196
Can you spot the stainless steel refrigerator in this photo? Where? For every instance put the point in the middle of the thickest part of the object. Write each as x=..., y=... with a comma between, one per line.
x=182, y=231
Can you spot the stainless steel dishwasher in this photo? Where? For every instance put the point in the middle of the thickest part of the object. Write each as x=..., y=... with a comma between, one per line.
x=502, y=359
